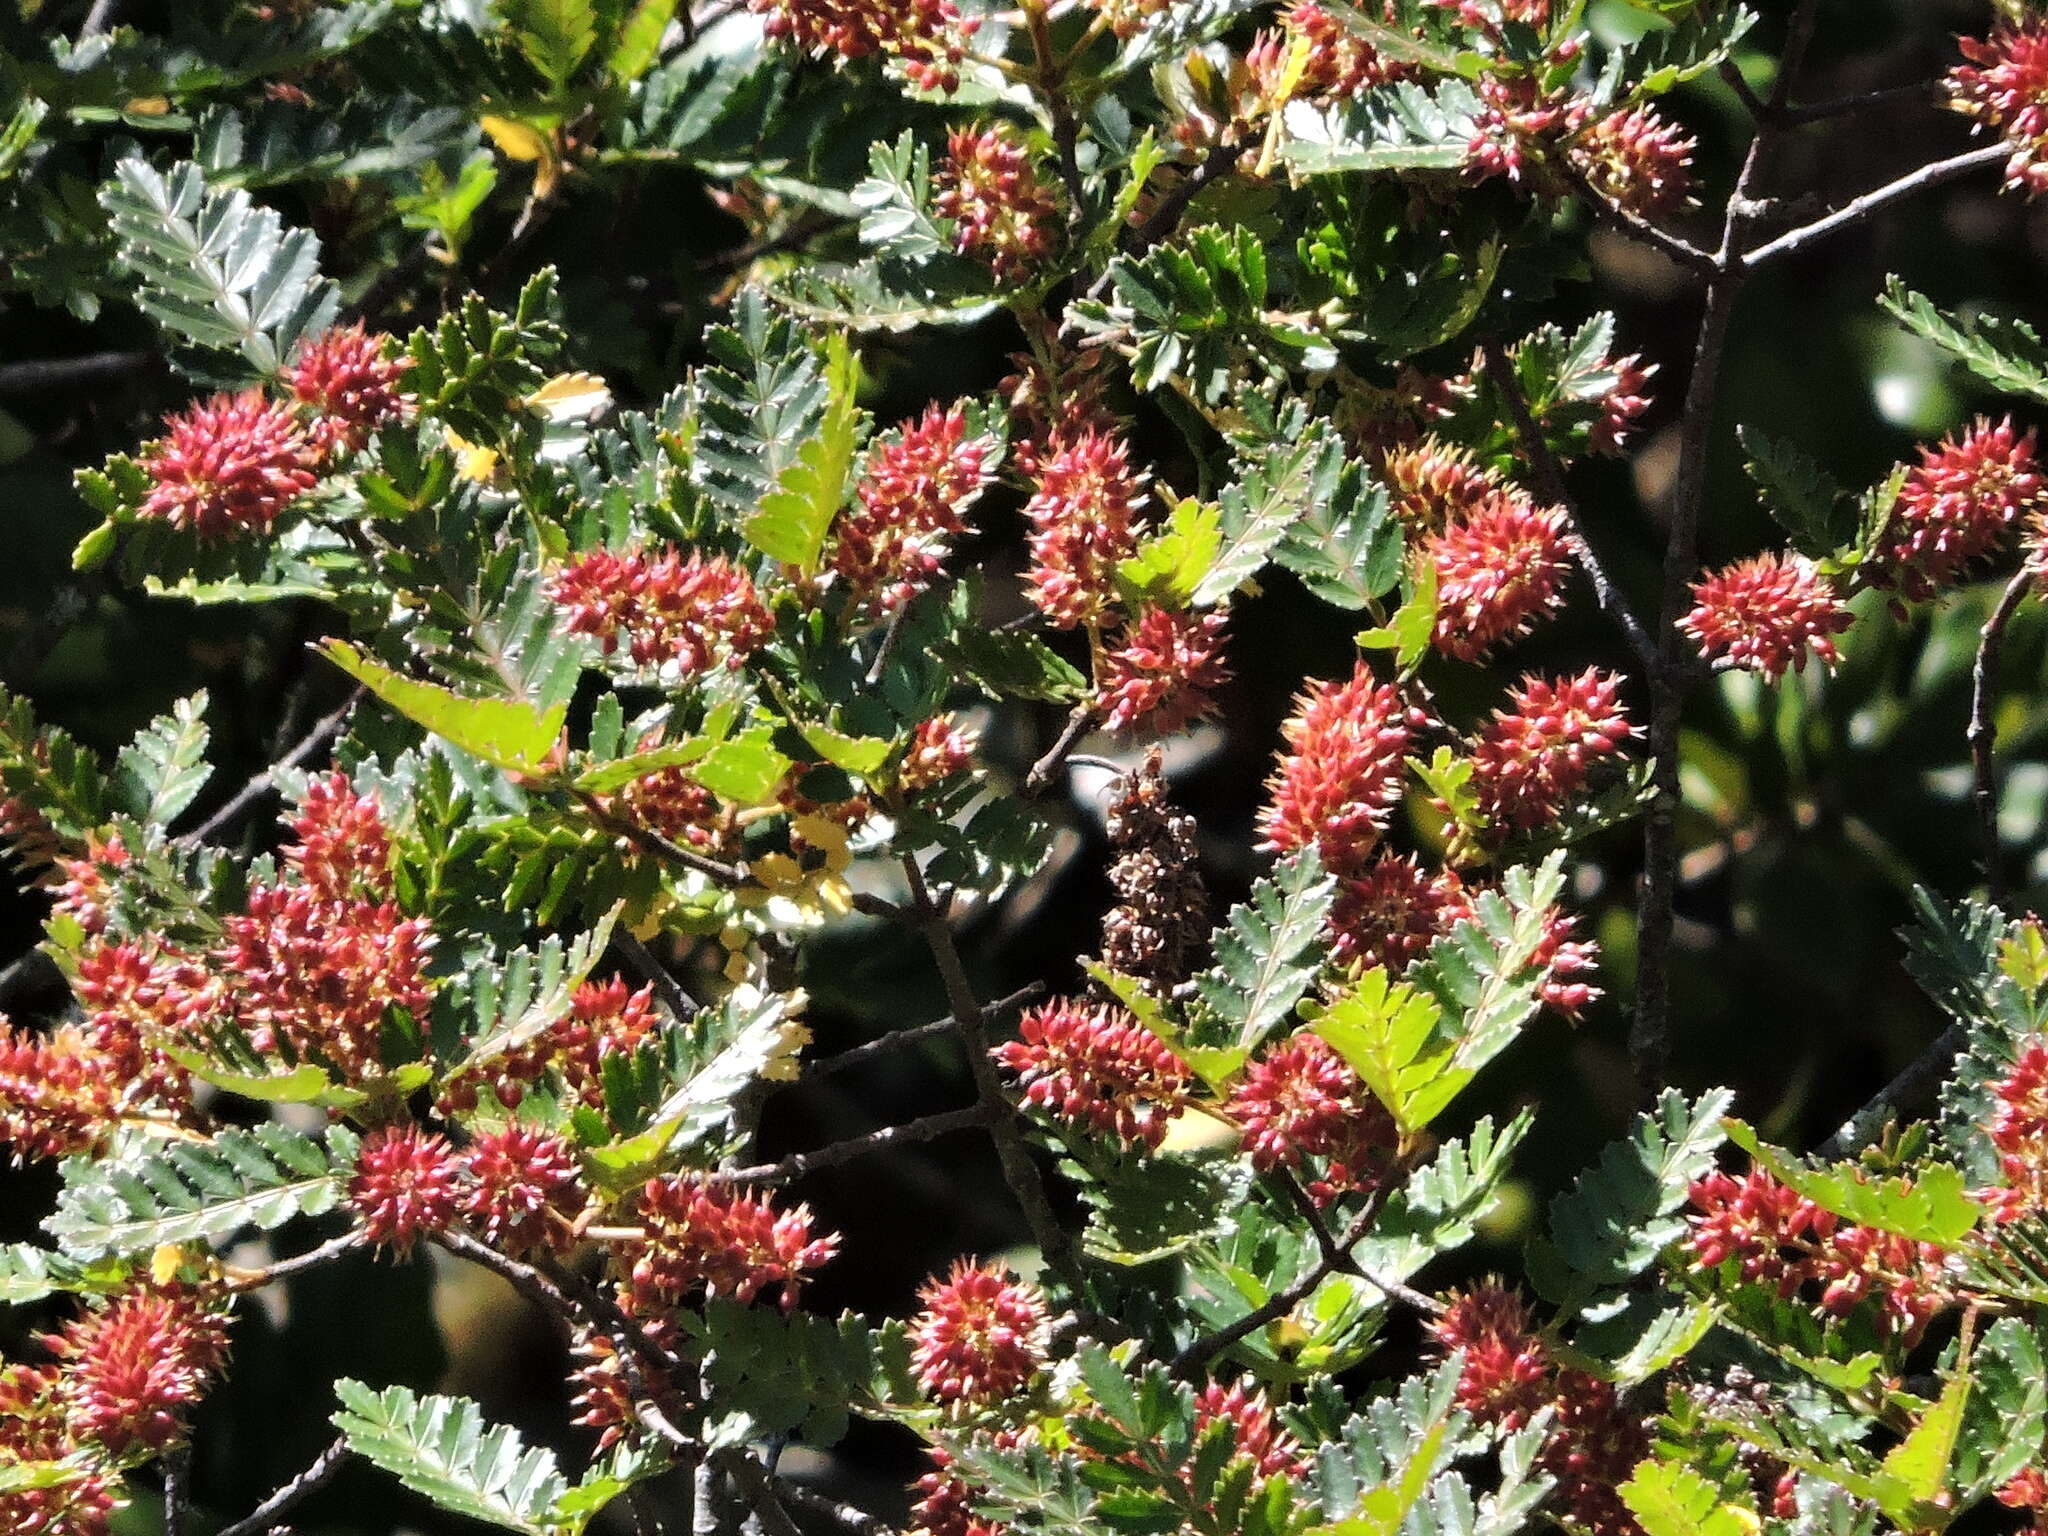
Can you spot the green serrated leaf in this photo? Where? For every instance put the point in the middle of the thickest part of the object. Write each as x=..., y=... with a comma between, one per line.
x=791, y=523
x=2007, y=354
x=444, y=1449
x=507, y=733
x=1267, y=953
x=182, y=1192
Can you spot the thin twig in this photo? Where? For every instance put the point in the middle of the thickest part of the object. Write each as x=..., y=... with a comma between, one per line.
x=325, y=730
x=1274, y=1307
x=1874, y=202
x=1682, y=251
x=99, y=19
x=930, y=1128
x=721, y=873
x=757, y=1486
x=1042, y=771
x=888, y=646
x=647, y=965
x=1915, y=1086
x=1983, y=732
x=1865, y=101
x=1550, y=482
x=318, y=1474
x=1011, y=1152
x=1340, y=1259
x=1736, y=81
x=283, y=1269
x=898, y=1038
x=859, y=1521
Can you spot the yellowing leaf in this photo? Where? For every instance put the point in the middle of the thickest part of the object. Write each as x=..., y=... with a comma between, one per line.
x=471, y=462
x=570, y=397
x=515, y=140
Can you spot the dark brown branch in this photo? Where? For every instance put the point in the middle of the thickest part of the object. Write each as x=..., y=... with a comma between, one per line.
x=1042, y=771
x=298, y=1263
x=1905, y=1095
x=318, y=1474
x=859, y=1521
x=325, y=730
x=897, y=1039
x=1866, y=101
x=1874, y=202
x=177, y=1468
x=1550, y=483
x=728, y=875
x=1983, y=732
x=758, y=1487
x=930, y=1128
x=648, y=967
x=1339, y=1259
x=1011, y=1152
x=1276, y=1306
x=1631, y=223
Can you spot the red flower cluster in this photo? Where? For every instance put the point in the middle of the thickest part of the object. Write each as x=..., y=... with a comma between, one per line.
x=917, y=484
x=1432, y=483
x=85, y=889
x=1637, y=160
x=407, y=1184
x=1766, y=614
x=1567, y=961
x=939, y=750
x=1392, y=911
x=341, y=848
x=317, y=976
x=1098, y=1067
x=1301, y=1100
x=1342, y=776
x=704, y=1237
x=2005, y=88
x=1518, y=127
x=517, y=1177
x=232, y=464
x=1535, y=756
x=1780, y=1239
x=1957, y=504
x=1084, y=510
x=2019, y=1132
x=1508, y=1373
x=945, y=1505
x=694, y=612
x=1499, y=568
x=134, y=1367
x=928, y=37
x=58, y=1095
x=138, y=1001
x=1621, y=406
x=604, y=1017
x=1337, y=63
x=1002, y=215
x=981, y=1336
x=1160, y=673
x=1254, y=1431
x=344, y=375
x=672, y=803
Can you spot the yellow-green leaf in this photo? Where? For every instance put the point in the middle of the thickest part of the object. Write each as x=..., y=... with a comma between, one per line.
x=745, y=770
x=1672, y=1500
x=1920, y=1462
x=1170, y=566
x=792, y=520
x=861, y=756
x=1388, y=1033
x=507, y=733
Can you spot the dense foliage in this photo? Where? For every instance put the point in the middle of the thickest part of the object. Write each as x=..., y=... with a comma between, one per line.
x=814, y=660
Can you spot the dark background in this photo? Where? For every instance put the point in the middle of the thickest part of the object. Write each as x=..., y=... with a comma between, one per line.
x=1811, y=809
